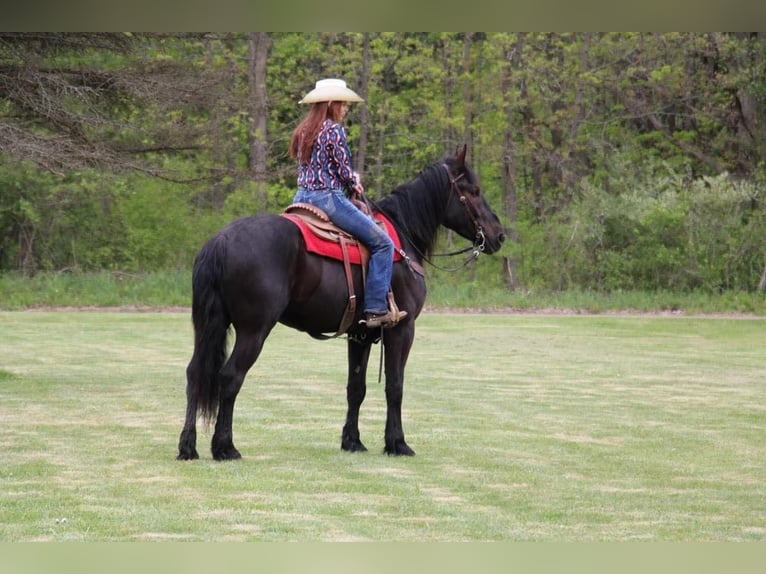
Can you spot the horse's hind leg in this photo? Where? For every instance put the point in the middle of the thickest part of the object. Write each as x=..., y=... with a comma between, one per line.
x=187, y=444
x=246, y=350
x=358, y=356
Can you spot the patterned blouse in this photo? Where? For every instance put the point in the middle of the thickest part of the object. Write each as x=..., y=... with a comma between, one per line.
x=330, y=165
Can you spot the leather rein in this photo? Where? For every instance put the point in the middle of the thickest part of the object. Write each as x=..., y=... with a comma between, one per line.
x=479, y=241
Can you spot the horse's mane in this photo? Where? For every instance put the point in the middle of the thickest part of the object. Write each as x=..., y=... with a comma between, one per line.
x=417, y=207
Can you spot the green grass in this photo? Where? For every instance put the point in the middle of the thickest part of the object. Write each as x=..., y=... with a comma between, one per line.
x=478, y=296
x=103, y=289
x=457, y=290
x=526, y=428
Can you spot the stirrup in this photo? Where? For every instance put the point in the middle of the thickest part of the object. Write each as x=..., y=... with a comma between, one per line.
x=393, y=309
x=386, y=320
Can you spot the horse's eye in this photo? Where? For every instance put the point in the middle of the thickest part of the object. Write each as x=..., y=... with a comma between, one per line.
x=470, y=189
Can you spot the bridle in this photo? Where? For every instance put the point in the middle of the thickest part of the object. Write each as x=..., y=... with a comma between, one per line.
x=479, y=241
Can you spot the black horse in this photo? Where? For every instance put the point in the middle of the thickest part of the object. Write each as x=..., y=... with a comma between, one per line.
x=256, y=272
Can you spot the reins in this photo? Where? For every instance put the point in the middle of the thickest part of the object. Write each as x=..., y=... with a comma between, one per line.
x=479, y=242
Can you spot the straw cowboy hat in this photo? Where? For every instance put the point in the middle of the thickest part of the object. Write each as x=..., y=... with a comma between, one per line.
x=330, y=90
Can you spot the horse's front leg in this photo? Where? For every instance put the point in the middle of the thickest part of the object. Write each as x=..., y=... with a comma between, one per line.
x=398, y=342
x=358, y=356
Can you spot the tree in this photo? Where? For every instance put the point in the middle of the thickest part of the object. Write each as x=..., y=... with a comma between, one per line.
x=364, y=115
x=52, y=103
x=511, y=48
x=258, y=49
x=70, y=101
x=549, y=118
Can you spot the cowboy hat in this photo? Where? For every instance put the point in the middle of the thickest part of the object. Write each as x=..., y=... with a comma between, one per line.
x=330, y=90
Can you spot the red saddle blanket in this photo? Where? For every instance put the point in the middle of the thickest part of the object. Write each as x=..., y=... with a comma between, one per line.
x=327, y=248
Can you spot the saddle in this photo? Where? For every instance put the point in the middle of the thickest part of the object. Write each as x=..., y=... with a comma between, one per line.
x=323, y=237
x=319, y=224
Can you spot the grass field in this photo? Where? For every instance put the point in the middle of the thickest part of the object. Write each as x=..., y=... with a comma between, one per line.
x=466, y=289
x=526, y=427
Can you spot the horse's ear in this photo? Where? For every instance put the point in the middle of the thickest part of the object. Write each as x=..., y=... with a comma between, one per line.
x=460, y=156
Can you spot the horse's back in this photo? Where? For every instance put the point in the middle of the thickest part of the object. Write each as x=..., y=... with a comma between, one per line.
x=256, y=229
x=257, y=257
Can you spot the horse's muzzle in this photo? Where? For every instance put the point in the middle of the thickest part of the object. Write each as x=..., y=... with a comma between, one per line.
x=493, y=242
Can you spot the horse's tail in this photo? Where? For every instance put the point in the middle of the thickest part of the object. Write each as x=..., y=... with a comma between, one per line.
x=211, y=328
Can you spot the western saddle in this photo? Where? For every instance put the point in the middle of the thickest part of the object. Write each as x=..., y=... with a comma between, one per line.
x=319, y=223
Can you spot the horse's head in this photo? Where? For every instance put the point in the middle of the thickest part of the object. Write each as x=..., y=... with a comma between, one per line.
x=467, y=211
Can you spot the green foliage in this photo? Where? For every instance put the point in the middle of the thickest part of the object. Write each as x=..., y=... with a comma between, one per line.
x=726, y=224
x=49, y=222
x=246, y=200
x=631, y=160
x=160, y=226
x=662, y=231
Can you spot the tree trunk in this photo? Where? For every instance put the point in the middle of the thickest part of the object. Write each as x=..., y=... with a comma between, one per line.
x=448, y=86
x=381, y=146
x=468, y=95
x=215, y=137
x=753, y=122
x=257, y=56
x=364, y=114
x=570, y=173
x=510, y=198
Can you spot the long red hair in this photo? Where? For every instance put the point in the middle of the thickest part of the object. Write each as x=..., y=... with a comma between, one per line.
x=307, y=131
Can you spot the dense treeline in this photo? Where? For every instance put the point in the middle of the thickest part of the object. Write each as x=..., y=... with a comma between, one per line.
x=618, y=160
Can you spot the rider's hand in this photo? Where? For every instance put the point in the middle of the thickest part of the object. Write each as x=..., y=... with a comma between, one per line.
x=358, y=187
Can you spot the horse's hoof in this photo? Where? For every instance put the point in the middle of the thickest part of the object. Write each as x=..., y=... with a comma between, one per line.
x=400, y=448
x=355, y=446
x=230, y=453
x=185, y=455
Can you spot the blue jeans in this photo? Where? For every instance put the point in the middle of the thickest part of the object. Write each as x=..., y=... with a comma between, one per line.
x=345, y=215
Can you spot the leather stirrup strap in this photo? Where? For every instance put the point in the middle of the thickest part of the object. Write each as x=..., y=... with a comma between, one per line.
x=364, y=256
x=392, y=306
x=348, y=314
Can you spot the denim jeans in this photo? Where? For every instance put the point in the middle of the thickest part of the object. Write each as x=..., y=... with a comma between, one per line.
x=345, y=215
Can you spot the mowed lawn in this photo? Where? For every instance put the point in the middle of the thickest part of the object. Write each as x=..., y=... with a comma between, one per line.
x=526, y=427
